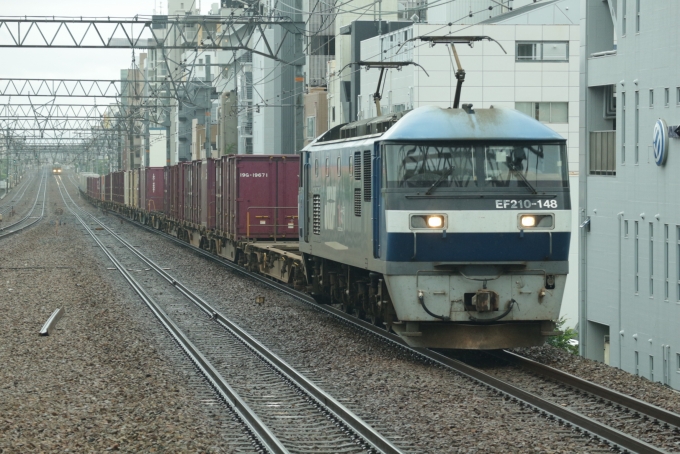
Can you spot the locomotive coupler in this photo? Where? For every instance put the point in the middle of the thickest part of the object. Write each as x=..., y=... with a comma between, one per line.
x=485, y=300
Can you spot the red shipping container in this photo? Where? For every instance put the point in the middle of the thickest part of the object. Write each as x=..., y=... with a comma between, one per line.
x=167, y=190
x=187, y=191
x=118, y=187
x=195, y=193
x=207, y=207
x=152, y=189
x=108, y=192
x=259, y=196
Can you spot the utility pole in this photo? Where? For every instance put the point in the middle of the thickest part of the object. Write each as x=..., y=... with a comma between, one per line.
x=7, y=152
x=208, y=126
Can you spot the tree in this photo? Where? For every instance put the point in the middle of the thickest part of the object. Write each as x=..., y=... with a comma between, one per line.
x=563, y=340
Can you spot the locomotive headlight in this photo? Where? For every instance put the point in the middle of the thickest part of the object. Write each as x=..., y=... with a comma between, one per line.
x=536, y=221
x=435, y=222
x=428, y=221
x=528, y=221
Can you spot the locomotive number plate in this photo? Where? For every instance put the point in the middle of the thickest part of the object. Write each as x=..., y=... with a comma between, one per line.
x=525, y=204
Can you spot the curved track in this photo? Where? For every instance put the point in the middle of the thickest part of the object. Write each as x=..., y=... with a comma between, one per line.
x=28, y=220
x=286, y=411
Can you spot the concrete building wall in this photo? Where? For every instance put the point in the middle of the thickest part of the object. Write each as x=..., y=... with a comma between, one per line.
x=492, y=78
x=316, y=114
x=630, y=271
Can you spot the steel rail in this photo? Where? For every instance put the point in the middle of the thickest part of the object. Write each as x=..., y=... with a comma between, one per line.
x=240, y=407
x=637, y=405
x=38, y=219
x=22, y=189
x=321, y=397
x=607, y=434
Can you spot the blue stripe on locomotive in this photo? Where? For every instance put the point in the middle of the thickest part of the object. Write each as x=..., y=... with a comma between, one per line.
x=477, y=247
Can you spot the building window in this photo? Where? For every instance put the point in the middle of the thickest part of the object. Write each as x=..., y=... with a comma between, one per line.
x=602, y=153
x=623, y=128
x=651, y=97
x=667, y=97
x=543, y=51
x=637, y=127
x=666, y=254
x=637, y=364
x=651, y=259
x=637, y=16
x=623, y=22
x=651, y=362
x=547, y=112
x=636, y=257
x=333, y=114
x=311, y=127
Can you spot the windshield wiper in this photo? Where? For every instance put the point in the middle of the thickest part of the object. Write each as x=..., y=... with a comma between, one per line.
x=439, y=180
x=524, y=179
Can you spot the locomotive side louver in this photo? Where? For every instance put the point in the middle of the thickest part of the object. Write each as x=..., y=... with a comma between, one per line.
x=316, y=214
x=357, y=165
x=357, y=201
x=367, y=175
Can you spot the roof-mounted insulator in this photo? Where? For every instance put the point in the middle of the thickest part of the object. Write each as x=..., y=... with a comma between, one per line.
x=468, y=108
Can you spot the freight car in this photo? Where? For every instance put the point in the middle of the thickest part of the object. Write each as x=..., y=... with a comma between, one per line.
x=450, y=226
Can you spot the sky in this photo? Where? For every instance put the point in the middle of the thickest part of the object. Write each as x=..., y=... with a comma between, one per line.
x=73, y=63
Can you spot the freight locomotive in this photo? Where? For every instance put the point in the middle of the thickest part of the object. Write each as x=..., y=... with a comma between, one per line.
x=449, y=226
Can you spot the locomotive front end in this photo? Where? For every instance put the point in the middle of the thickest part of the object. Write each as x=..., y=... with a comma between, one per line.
x=476, y=222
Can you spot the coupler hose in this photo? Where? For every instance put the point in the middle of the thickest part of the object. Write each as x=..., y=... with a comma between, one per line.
x=421, y=299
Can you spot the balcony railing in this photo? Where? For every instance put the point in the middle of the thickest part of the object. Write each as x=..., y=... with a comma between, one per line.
x=603, y=153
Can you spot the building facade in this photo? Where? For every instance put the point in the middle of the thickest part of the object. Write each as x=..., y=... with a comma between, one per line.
x=630, y=218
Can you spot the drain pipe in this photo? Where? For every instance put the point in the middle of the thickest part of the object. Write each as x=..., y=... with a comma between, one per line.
x=620, y=217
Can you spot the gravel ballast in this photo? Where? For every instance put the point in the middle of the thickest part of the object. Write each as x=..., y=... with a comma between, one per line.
x=430, y=409
x=105, y=379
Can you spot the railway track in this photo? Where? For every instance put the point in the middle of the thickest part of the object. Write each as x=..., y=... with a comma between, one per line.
x=19, y=195
x=578, y=421
x=654, y=425
x=284, y=410
x=28, y=220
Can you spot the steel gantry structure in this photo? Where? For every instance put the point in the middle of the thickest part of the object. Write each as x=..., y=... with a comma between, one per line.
x=43, y=114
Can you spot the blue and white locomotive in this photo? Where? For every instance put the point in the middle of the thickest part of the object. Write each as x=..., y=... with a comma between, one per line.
x=451, y=226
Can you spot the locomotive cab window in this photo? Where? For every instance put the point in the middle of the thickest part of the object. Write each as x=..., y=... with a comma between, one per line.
x=476, y=167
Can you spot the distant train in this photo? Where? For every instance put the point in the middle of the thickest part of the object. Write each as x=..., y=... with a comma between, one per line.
x=449, y=226
x=56, y=169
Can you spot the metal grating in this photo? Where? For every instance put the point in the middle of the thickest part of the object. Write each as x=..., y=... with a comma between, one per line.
x=316, y=214
x=367, y=175
x=357, y=201
x=357, y=165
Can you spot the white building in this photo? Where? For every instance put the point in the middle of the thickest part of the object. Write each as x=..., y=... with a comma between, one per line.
x=630, y=144
x=539, y=76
